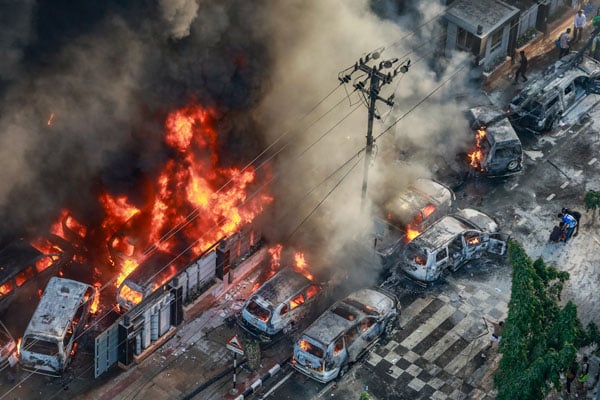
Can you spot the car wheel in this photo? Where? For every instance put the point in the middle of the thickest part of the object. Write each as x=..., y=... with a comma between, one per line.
x=343, y=371
x=513, y=165
x=390, y=325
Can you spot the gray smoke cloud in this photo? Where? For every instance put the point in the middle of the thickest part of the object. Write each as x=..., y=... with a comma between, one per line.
x=262, y=66
x=180, y=14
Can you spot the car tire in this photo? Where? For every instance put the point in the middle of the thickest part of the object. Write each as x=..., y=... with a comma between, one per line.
x=343, y=371
x=390, y=325
x=512, y=165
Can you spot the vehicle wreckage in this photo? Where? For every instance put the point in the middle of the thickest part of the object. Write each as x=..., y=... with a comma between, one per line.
x=561, y=88
x=447, y=245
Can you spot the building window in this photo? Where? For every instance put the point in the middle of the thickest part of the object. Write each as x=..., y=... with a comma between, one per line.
x=464, y=40
x=496, y=40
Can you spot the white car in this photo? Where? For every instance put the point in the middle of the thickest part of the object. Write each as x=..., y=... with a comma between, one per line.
x=344, y=333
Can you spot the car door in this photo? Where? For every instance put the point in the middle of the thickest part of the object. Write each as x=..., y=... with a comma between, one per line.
x=367, y=332
x=475, y=244
x=569, y=96
x=497, y=243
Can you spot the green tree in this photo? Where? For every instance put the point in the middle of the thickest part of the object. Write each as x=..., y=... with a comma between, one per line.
x=591, y=201
x=538, y=337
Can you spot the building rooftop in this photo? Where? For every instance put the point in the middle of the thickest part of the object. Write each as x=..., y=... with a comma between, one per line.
x=489, y=14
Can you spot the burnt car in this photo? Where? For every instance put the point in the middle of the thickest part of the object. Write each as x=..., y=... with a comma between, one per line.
x=280, y=304
x=8, y=348
x=411, y=211
x=542, y=103
x=498, y=150
x=450, y=243
x=344, y=333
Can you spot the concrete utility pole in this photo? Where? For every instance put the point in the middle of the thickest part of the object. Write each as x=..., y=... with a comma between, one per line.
x=371, y=86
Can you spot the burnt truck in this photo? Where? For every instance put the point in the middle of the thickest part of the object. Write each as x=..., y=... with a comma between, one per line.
x=280, y=304
x=499, y=151
x=561, y=88
x=450, y=243
x=344, y=333
x=410, y=211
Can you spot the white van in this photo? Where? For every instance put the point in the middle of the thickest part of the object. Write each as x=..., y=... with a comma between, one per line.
x=57, y=323
x=280, y=304
x=450, y=243
x=344, y=333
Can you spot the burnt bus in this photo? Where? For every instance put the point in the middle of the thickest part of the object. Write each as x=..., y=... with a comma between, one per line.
x=280, y=304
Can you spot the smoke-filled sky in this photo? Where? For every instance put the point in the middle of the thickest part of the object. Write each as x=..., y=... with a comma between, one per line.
x=108, y=72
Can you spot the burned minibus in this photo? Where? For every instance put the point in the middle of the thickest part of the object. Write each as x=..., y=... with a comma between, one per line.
x=344, y=333
x=280, y=304
x=411, y=211
x=450, y=243
x=58, y=321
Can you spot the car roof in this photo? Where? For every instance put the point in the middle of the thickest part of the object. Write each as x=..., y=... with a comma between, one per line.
x=281, y=287
x=330, y=325
x=497, y=126
x=446, y=228
x=418, y=194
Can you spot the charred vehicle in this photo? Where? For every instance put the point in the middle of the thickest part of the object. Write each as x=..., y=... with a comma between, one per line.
x=545, y=100
x=8, y=348
x=280, y=304
x=498, y=149
x=411, y=211
x=345, y=332
x=58, y=321
x=450, y=243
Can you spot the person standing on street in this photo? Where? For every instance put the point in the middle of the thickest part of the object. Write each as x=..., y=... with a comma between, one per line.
x=564, y=40
x=522, y=67
x=579, y=24
x=574, y=214
x=496, y=335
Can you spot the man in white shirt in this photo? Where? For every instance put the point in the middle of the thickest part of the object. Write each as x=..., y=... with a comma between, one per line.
x=579, y=23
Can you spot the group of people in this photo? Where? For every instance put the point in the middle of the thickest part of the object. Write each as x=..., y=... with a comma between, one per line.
x=582, y=374
x=564, y=41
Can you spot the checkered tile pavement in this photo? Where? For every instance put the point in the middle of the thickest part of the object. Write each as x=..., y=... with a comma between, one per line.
x=437, y=354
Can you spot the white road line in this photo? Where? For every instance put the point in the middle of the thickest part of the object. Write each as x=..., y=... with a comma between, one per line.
x=593, y=160
x=421, y=333
x=281, y=382
x=577, y=173
x=448, y=340
x=550, y=197
x=564, y=185
x=413, y=309
x=536, y=209
x=513, y=186
x=522, y=221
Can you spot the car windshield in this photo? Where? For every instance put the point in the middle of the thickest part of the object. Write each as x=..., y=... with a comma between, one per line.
x=310, y=348
x=416, y=254
x=259, y=312
x=508, y=152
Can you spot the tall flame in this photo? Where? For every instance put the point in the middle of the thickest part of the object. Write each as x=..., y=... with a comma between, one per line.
x=476, y=157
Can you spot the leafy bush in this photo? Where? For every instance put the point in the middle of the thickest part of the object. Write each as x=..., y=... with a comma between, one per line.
x=526, y=37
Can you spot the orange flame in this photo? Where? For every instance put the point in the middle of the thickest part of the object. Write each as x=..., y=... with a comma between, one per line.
x=19, y=346
x=476, y=157
x=96, y=302
x=74, y=348
x=130, y=295
x=275, y=253
x=411, y=233
x=301, y=265
x=51, y=119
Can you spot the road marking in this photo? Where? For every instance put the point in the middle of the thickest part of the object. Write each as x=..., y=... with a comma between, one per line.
x=536, y=209
x=578, y=172
x=281, y=382
x=413, y=309
x=448, y=340
x=513, y=186
x=564, y=185
x=593, y=160
x=428, y=327
x=550, y=197
x=461, y=360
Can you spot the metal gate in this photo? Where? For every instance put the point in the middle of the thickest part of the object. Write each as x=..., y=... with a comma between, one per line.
x=106, y=349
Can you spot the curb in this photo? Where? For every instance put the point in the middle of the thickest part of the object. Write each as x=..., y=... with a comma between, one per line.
x=259, y=382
